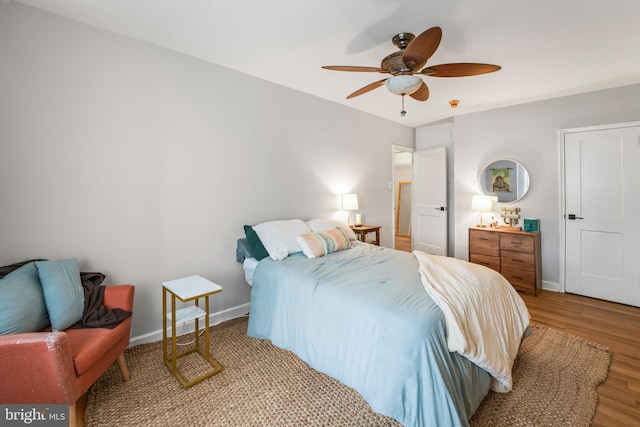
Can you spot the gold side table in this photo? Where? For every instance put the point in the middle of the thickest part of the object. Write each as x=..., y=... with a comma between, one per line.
x=191, y=288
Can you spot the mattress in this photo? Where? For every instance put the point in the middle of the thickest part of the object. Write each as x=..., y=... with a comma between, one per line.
x=244, y=256
x=249, y=266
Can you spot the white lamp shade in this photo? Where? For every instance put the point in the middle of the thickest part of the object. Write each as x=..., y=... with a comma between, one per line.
x=403, y=84
x=481, y=203
x=350, y=202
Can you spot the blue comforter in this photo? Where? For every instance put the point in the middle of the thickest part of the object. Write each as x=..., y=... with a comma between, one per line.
x=363, y=317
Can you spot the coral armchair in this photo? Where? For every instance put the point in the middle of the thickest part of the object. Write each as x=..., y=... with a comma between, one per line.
x=59, y=367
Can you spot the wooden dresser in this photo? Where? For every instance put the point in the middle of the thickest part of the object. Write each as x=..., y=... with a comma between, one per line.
x=514, y=254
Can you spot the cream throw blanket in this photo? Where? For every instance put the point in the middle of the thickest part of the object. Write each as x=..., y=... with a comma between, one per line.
x=486, y=318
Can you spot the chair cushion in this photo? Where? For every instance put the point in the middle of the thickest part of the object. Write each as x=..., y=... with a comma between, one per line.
x=90, y=344
x=22, y=307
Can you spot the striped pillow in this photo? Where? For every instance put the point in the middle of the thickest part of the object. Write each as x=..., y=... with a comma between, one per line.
x=315, y=245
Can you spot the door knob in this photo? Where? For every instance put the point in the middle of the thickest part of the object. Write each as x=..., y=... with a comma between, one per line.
x=573, y=216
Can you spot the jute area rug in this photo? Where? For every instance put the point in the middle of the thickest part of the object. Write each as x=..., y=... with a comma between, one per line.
x=555, y=380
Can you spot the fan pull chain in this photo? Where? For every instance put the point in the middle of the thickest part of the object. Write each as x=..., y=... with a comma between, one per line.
x=403, y=113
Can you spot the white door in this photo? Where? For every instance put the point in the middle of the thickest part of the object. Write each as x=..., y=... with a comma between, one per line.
x=602, y=205
x=429, y=201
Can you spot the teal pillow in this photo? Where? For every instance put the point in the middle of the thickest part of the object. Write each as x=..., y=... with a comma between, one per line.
x=22, y=307
x=255, y=244
x=63, y=292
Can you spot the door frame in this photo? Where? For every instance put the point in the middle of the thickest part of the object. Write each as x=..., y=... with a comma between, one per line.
x=392, y=185
x=563, y=231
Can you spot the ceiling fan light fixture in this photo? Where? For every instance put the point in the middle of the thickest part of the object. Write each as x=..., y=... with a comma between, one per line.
x=403, y=84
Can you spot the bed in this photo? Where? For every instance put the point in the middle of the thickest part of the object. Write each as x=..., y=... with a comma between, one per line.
x=362, y=315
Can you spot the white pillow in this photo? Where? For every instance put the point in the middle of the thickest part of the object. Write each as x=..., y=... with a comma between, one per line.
x=320, y=225
x=279, y=237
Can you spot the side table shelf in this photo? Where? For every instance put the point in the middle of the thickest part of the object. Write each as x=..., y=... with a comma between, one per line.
x=187, y=314
x=191, y=288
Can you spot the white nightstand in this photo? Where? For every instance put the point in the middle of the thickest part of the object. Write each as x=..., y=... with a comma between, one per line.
x=190, y=288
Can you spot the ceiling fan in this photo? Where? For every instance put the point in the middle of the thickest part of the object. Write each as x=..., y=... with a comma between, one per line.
x=406, y=65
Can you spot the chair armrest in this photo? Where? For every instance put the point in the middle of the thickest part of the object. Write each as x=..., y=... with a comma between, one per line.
x=37, y=367
x=119, y=296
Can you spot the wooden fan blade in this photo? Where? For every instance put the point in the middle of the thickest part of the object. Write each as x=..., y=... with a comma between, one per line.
x=422, y=94
x=421, y=48
x=461, y=69
x=367, y=88
x=356, y=69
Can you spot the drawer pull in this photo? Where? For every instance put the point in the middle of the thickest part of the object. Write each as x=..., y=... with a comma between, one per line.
x=516, y=243
x=518, y=277
x=482, y=238
x=516, y=260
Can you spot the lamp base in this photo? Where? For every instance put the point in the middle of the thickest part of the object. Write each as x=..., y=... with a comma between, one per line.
x=481, y=225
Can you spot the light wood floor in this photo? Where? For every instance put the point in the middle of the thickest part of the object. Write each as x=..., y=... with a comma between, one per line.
x=614, y=325
x=403, y=243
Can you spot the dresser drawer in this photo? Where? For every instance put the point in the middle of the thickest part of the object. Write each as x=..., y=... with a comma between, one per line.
x=517, y=260
x=484, y=242
x=521, y=280
x=492, y=262
x=516, y=242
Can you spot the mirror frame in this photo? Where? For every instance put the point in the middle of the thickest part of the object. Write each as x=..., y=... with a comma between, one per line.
x=507, y=171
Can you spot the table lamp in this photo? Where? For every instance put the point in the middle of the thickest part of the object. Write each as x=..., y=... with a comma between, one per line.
x=481, y=204
x=350, y=203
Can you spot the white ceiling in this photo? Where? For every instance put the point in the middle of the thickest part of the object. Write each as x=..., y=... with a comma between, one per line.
x=547, y=48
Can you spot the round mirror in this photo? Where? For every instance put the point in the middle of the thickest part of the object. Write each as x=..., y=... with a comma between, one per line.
x=505, y=179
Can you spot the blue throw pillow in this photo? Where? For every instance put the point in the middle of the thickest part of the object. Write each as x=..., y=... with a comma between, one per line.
x=22, y=307
x=63, y=292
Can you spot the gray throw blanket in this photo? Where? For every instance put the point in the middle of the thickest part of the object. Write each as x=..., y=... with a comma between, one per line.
x=95, y=315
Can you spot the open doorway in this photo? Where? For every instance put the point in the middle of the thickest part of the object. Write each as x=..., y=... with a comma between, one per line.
x=402, y=180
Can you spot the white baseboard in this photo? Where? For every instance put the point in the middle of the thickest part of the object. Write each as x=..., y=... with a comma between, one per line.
x=551, y=286
x=214, y=319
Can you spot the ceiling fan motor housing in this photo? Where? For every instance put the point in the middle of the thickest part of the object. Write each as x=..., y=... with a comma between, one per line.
x=394, y=64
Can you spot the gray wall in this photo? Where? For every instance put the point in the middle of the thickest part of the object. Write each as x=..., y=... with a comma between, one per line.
x=145, y=164
x=528, y=133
